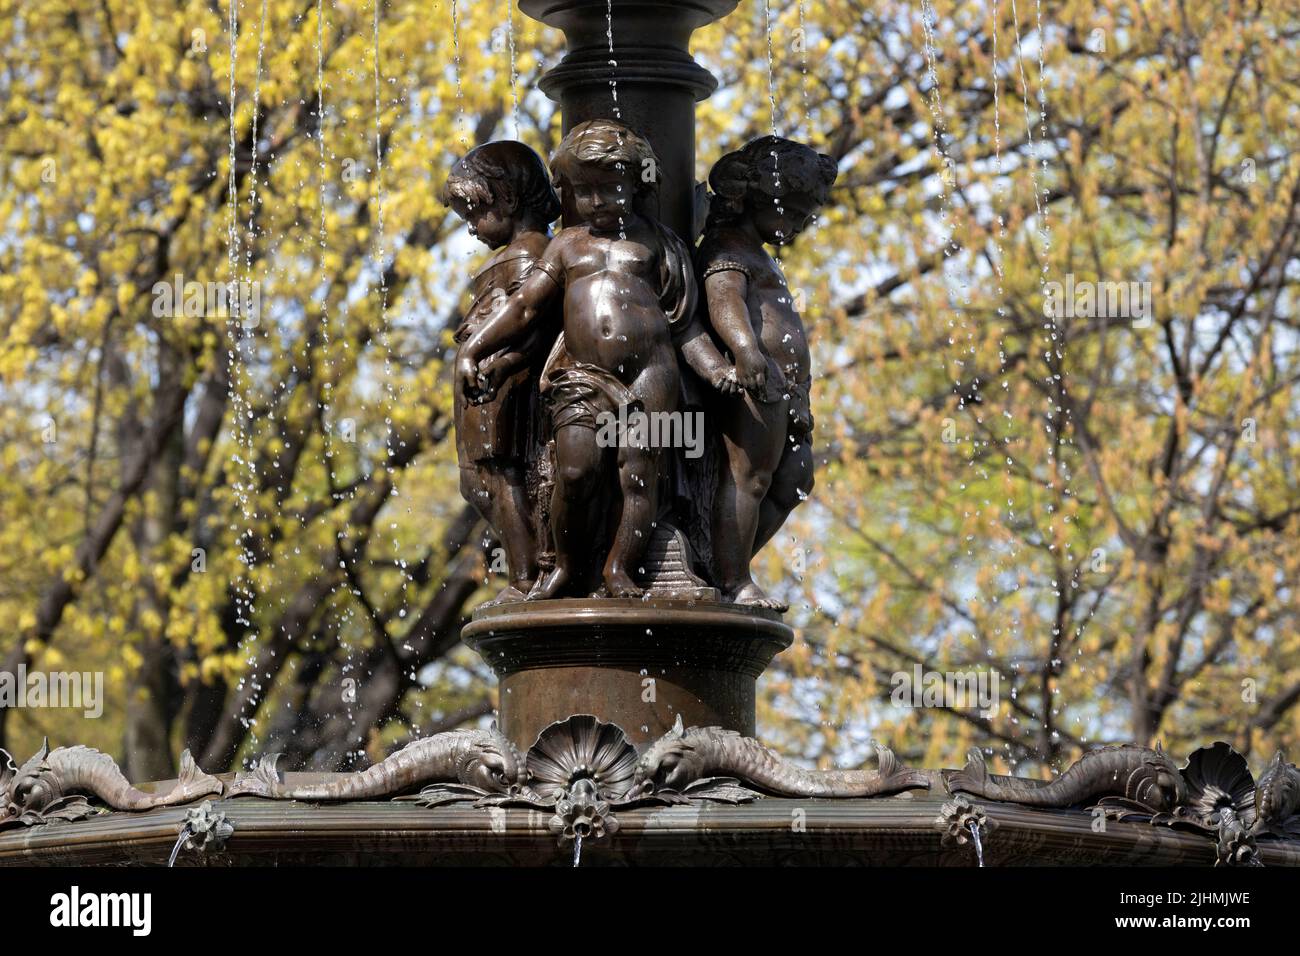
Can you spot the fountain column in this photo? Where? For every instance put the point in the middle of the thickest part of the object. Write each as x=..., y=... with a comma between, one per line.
x=681, y=655
x=658, y=82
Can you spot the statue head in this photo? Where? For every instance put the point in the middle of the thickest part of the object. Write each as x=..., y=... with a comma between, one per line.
x=775, y=183
x=603, y=167
x=1276, y=790
x=34, y=785
x=670, y=763
x=498, y=187
x=1158, y=783
x=491, y=763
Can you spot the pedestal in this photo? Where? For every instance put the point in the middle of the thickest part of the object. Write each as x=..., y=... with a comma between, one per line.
x=638, y=664
x=658, y=81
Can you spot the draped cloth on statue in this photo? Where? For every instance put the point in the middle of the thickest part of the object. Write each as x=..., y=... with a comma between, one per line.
x=579, y=393
x=502, y=426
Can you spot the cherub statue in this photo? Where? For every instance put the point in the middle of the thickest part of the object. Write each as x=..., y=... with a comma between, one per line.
x=766, y=192
x=626, y=283
x=503, y=192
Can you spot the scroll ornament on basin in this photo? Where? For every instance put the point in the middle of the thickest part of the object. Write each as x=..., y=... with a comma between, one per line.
x=1213, y=793
x=55, y=786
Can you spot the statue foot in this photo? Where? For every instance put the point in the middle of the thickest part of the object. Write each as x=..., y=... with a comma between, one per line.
x=549, y=586
x=508, y=594
x=620, y=585
x=751, y=595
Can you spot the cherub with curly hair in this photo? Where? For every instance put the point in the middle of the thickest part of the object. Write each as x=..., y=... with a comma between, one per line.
x=626, y=284
x=764, y=193
x=503, y=192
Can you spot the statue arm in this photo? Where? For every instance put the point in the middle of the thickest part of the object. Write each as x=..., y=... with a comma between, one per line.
x=512, y=323
x=703, y=357
x=726, y=291
x=515, y=358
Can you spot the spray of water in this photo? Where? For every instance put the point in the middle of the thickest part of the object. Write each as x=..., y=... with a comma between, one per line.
x=238, y=361
x=252, y=172
x=1043, y=228
x=803, y=67
x=514, y=72
x=613, y=63
x=947, y=173
x=771, y=70
x=962, y=339
x=246, y=488
x=455, y=65
x=1008, y=555
x=773, y=114
x=391, y=392
x=327, y=318
x=1064, y=409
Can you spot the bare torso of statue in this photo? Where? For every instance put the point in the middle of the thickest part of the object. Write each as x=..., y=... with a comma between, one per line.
x=771, y=307
x=612, y=315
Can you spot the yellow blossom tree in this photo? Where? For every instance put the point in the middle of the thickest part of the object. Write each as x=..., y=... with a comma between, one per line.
x=251, y=524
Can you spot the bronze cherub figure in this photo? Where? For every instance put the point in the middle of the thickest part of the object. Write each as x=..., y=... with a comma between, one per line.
x=502, y=190
x=626, y=283
x=765, y=193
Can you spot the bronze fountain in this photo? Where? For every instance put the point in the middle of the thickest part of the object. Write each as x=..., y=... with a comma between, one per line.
x=633, y=394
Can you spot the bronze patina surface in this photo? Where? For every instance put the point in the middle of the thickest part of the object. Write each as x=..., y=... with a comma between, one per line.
x=892, y=831
x=638, y=664
x=583, y=782
x=659, y=82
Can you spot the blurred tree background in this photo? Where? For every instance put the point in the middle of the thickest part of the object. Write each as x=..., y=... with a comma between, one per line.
x=256, y=533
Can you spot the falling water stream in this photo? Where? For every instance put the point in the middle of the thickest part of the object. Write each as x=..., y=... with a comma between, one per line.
x=771, y=70
x=618, y=115
x=242, y=611
x=1057, y=407
x=967, y=380
x=514, y=72
x=392, y=397
x=1008, y=556
x=238, y=371
x=979, y=846
x=378, y=251
x=455, y=65
x=960, y=334
x=252, y=171
x=327, y=342
x=773, y=117
x=577, y=849
x=176, y=848
x=803, y=68
x=613, y=63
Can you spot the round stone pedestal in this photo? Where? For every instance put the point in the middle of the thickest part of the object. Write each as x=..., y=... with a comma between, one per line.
x=638, y=664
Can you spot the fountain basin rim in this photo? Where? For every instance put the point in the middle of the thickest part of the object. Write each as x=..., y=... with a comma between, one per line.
x=879, y=830
x=625, y=613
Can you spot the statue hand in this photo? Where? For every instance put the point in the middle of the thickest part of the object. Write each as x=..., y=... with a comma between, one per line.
x=467, y=370
x=489, y=378
x=725, y=381
x=476, y=379
x=751, y=370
